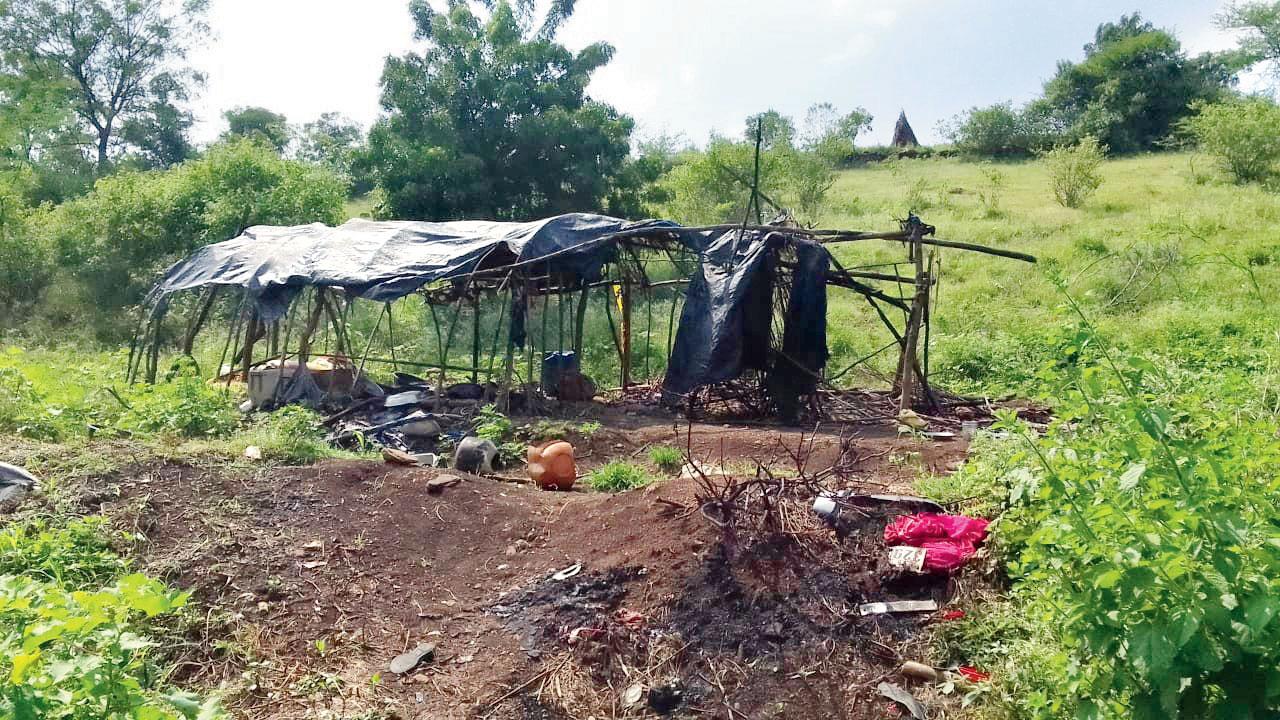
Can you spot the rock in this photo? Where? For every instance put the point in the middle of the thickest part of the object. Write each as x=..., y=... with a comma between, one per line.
x=475, y=455
x=406, y=662
x=253, y=452
x=438, y=484
x=398, y=457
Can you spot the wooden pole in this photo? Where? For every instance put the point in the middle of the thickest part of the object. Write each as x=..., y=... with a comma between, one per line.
x=908, y=362
x=580, y=322
x=206, y=304
x=626, y=333
x=475, y=339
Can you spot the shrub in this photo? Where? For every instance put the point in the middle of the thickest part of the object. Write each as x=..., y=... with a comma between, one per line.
x=114, y=240
x=991, y=192
x=1142, y=530
x=1002, y=130
x=73, y=654
x=618, y=476
x=1244, y=135
x=74, y=555
x=73, y=638
x=185, y=407
x=493, y=425
x=1073, y=171
x=667, y=459
x=291, y=434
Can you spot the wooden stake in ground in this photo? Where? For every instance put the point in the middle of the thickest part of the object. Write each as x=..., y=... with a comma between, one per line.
x=626, y=333
x=907, y=363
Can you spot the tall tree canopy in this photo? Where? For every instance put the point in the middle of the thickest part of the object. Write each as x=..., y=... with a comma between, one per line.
x=122, y=59
x=1134, y=83
x=259, y=125
x=493, y=118
x=1259, y=24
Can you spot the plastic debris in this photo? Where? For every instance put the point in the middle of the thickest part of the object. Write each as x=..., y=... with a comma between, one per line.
x=15, y=482
x=897, y=606
x=973, y=674
x=951, y=615
x=633, y=695
x=406, y=662
x=906, y=557
x=909, y=420
x=948, y=540
x=568, y=572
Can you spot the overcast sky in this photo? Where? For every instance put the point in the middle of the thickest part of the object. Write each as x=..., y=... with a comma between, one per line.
x=697, y=66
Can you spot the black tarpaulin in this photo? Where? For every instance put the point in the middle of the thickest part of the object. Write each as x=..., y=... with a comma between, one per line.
x=726, y=324
x=384, y=261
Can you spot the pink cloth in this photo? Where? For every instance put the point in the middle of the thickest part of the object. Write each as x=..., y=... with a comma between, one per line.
x=949, y=540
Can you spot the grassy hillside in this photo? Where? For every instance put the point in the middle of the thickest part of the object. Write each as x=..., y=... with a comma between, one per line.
x=1165, y=258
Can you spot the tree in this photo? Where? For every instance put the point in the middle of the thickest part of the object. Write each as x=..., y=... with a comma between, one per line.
x=1259, y=23
x=493, y=119
x=110, y=51
x=776, y=129
x=831, y=135
x=1134, y=83
x=160, y=135
x=259, y=125
x=334, y=141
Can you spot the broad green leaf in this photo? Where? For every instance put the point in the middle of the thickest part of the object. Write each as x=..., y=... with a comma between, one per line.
x=1129, y=480
x=22, y=663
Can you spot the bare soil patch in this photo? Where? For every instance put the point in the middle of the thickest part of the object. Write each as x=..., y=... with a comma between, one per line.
x=313, y=578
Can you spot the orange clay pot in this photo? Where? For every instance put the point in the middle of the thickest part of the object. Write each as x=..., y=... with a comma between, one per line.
x=551, y=465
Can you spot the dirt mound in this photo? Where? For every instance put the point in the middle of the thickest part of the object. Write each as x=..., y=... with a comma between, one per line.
x=313, y=578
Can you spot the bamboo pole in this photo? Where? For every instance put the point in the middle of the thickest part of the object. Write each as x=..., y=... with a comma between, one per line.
x=626, y=332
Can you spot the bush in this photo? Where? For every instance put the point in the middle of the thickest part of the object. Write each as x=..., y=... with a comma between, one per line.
x=493, y=425
x=73, y=654
x=618, y=476
x=184, y=407
x=1002, y=130
x=75, y=555
x=291, y=434
x=1143, y=531
x=1073, y=171
x=714, y=186
x=24, y=262
x=1244, y=135
x=116, y=239
x=73, y=638
x=667, y=459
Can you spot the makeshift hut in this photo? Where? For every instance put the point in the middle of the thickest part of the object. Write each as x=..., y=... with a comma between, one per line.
x=903, y=135
x=751, y=328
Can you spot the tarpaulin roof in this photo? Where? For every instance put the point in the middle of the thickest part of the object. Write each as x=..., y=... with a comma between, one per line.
x=386, y=260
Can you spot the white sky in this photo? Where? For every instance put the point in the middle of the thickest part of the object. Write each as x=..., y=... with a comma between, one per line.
x=694, y=66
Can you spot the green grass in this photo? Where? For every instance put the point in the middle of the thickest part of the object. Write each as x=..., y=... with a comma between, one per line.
x=667, y=459
x=618, y=476
x=1163, y=261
